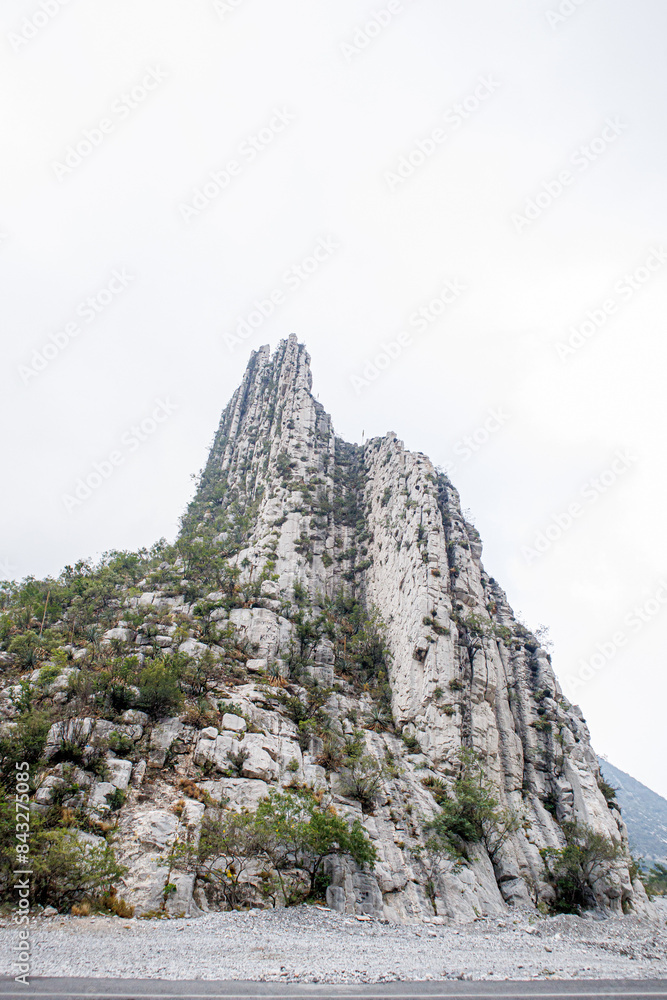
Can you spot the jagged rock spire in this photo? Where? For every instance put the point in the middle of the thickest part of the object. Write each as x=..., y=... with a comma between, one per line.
x=291, y=503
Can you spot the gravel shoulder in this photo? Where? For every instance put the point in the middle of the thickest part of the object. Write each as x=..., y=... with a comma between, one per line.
x=310, y=944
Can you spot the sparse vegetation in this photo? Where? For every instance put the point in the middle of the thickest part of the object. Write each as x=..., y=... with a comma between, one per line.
x=571, y=870
x=470, y=813
x=278, y=851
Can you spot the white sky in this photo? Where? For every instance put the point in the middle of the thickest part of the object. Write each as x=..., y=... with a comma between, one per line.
x=219, y=76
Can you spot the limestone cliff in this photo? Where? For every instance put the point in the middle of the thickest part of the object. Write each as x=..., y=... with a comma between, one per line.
x=381, y=520
x=306, y=527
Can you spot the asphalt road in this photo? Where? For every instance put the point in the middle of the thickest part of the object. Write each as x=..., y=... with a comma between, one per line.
x=156, y=989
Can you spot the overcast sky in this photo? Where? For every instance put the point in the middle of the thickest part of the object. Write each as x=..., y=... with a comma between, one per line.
x=476, y=184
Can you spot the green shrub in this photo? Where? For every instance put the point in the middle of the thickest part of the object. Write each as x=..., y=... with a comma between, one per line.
x=470, y=813
x=26, y=648
x=362, y=780
x=608, y=791
x=570, y=870
x=47, y=675
x=656, y=880
x=25, y=742
x=277, y=851
x=120, y=744
x=66, y=869
x=298, y=833
x=116, y=799
x=159, y=692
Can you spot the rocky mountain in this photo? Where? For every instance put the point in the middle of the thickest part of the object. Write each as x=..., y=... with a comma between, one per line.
x=644, y=812
x=323, y=628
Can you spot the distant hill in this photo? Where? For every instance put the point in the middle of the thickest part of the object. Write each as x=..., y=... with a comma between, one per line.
x=644, y=811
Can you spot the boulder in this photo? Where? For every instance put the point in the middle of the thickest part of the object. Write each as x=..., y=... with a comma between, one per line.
x=132, y=717
x=234, y=723
x=123, y=634
x=162, y=738
x=210, y=733
x=119, y=772
x=193, y=648
x=75, y=731
x=258, y=764
x=256, y=666
x=240, y=793
x=97, y=801
x=138, y=772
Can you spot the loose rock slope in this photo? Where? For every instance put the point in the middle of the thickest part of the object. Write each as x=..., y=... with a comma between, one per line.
x=306, y=944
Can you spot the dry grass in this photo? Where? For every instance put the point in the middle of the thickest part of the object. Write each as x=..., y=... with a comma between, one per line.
x=113, y=902
x=193, y=791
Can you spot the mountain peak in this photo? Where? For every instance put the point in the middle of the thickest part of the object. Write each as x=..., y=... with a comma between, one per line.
x=322, y=629
x=292, y=504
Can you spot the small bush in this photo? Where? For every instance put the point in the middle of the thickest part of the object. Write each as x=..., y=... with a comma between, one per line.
x=193, y=791
x=159, y=692
x=362, y=780
x=120, y=744
x=47, y=675
x=67, y=870
x=276, y=852
x=656, y=880
x=571, y=870
x=25, y=742
x=608, y=791
x=469, y=814
x=332, y=754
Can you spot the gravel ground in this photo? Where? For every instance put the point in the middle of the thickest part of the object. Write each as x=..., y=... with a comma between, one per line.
x=310, y=944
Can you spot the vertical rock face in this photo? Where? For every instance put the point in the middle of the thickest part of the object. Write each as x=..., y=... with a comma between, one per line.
x=287, y=499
